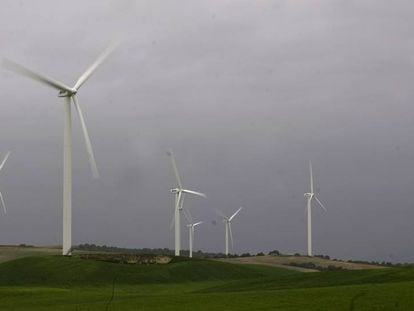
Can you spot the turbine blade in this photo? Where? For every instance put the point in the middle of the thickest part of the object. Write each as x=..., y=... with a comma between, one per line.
x=194, y=192
x=231, y=236
x=174, y=165
x=4, y=160
x=232, y=216
x=311, y=176
x=19, y=69
x=91, y=69
x=88, y=144
x=317, y=200
x=197, y=223
x=2, y=203
x=221, y=213
x=187, y=215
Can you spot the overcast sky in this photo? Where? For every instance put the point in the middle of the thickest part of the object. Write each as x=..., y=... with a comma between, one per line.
x=245, y=92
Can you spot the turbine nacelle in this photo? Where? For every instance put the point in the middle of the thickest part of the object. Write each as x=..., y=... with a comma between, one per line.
x=66, y=93
x=194, y=225
x=187, y=191
x=308, y=195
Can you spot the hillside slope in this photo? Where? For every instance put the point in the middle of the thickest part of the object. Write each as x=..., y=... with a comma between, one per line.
x=12, y=252
x=71, y=283
x=74, y=271
x=299, y=263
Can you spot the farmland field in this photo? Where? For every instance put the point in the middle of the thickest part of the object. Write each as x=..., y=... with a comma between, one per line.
x=52, y=282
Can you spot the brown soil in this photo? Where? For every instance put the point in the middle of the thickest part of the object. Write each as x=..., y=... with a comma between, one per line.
x=289, y=262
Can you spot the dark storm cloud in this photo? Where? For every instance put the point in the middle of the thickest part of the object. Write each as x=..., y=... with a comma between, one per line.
x=245, y=93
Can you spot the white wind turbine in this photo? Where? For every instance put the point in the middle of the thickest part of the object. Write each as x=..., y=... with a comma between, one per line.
x=309, y=197
x=1, y=167
x=179, y=198
x=227, y=227
x=69, y=96
x=191, y=226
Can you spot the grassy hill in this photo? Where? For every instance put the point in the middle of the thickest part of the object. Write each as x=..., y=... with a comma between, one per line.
x=322, y=279
x=52, y=282
x=74, y=271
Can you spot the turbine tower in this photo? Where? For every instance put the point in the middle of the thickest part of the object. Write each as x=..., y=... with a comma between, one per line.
x=179, y=198
x=309, y=197
x=227, y=228
x=1, y=195
x=191, y=226
x=69, y=97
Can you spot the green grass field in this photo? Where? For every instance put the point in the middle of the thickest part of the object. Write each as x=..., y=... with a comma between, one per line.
x=62, y=283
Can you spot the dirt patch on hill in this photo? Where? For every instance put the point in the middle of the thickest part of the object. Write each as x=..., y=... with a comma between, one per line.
x=299, y=263
x=128, y=258
x=11, y=252
x=261, y=261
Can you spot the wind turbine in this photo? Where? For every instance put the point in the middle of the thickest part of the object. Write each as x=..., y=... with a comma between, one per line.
x=1, y=167
x=69, y=96
x=179, y=198
x=227, y=227
x=191, y=226
x=309, y=197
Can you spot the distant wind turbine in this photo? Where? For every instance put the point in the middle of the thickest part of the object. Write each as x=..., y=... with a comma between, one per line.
x=227, y=227
x=191, y=226
x=309, y=197
x=69, y=95
x=179, y=198
x=1, y=167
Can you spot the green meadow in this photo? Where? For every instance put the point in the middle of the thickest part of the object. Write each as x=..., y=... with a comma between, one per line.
x=71, y=283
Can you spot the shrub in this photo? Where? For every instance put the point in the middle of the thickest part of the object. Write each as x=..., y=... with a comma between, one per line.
x=274, y=253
